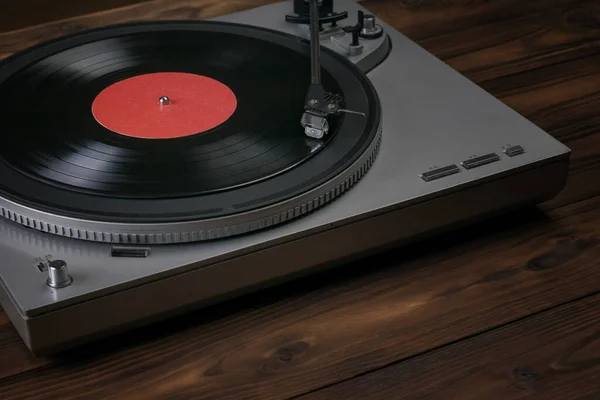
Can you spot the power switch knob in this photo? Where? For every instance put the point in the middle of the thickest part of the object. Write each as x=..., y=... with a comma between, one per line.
x=58, y=274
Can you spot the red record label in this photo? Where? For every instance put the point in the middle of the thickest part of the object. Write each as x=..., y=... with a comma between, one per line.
x=190, y=104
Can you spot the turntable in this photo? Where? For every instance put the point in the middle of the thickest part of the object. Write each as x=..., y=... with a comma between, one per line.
x=153, y=168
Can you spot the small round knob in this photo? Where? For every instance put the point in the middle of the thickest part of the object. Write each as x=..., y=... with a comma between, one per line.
x=58, y=275
x=369, y=22
x=370, y=29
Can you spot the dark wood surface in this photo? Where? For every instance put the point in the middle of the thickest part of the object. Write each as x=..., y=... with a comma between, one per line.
x=18, y=14
x=508, y=309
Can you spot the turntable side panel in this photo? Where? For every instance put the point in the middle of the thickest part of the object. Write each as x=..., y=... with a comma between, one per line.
x=350, y=322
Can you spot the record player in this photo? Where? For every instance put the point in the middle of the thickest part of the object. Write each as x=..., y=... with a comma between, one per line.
x=153, y=168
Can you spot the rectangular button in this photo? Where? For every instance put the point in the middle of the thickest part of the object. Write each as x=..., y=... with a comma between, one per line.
x=439, y=173
x=131, y=252
x=514, y=151
x=481, y=160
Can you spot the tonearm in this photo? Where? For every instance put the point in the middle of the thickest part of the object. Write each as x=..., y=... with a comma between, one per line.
x=319, y=103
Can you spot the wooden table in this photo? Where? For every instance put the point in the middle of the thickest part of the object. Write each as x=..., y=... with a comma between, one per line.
x=509, y=310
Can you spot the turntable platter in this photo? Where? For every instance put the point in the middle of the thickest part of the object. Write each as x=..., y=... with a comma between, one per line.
x=174, y=132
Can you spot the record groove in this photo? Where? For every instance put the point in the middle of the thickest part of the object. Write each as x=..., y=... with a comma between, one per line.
x=195, y=232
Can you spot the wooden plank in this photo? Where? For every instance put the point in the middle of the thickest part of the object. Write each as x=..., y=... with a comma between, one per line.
x=18, y=14
x=554, y=355
x=13, y=41
x=424, y=20
x=514, y=43
x=13, y=358
x=334, y=326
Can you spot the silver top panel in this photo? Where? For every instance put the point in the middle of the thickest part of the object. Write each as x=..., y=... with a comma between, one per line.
x=432, y=116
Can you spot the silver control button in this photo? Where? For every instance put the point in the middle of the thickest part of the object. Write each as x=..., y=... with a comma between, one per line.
x=514, y=151
x=481, y=160
x=439, y=173
x=131, y=252
x=58, y=274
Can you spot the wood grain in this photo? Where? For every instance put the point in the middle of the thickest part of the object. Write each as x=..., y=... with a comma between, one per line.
x=13, y=41
x=381, y=311
x=554, y=355
x=17, y=14
x=464, y=289
x=13, y=360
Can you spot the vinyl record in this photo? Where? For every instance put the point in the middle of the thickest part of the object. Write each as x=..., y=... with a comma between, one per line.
x=86, y=136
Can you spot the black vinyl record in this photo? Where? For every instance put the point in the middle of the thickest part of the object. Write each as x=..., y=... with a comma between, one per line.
x=57, y=157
